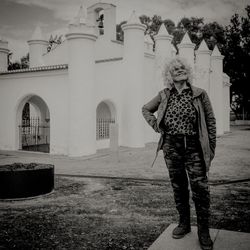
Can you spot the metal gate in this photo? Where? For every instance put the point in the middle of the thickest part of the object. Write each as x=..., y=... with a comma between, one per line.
x=102, y=128
x=34, y=136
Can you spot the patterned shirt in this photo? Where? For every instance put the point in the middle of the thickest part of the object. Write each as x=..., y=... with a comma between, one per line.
x=180, y=117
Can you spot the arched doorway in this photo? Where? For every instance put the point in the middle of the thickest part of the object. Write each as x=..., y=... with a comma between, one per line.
x=105, y=115
x=33, y=124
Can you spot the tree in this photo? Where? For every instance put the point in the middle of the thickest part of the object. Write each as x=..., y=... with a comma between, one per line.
x=24, y=61
x=54, y=41
x=191, y=25
x=119, y=31
x=22, y=64
x=237, y=57
x=214, y=34
x=152, y=24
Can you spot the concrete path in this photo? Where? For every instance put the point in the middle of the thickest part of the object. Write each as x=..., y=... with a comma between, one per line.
x=223, y=240
x=231, y=161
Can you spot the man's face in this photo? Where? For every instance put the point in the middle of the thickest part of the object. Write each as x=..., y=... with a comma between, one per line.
x=179, y=73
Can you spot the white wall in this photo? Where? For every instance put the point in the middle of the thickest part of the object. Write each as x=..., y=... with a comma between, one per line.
x=216, y=92
x=58, y=55
x=150, y=91
x=51, y=86
x=105, y=48
x=108, y=86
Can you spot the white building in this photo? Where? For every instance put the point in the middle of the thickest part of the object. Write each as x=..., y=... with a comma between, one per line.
x=91, y=80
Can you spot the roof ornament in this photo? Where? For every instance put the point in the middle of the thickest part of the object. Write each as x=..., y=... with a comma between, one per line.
x=216, y=51
x=186, y=39
x=37, y=34
x=134, y=18
x=82, y=14
x=163, y=30
x=81, y=17
x=203, y=46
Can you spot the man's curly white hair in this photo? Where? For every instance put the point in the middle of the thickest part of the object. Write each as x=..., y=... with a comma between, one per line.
x=169, y=66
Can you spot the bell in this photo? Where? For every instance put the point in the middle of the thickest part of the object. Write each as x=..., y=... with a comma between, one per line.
x=100, y=25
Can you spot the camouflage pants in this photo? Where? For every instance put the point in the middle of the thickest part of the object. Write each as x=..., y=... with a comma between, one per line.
x=184, y=161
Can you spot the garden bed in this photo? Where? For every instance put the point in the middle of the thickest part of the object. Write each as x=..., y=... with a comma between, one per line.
x=18, y=180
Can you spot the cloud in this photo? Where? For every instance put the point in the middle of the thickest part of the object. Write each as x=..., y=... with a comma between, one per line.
x=219, y=10
x=62, y=9
x=216, y=10
x=18, y=18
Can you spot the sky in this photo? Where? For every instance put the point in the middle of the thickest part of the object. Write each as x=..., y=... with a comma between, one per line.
x=19, y=18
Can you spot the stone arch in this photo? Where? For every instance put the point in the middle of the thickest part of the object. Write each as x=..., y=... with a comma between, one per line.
x=105, y=114
x=109, y=106
x=33, y=133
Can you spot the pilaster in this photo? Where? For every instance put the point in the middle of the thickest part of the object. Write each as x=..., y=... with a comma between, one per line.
x=216, y=88
x=163, y=52
x=202, y=66
x=133, y=86
x=82, y=111
x=4, y=52
x=37, y=48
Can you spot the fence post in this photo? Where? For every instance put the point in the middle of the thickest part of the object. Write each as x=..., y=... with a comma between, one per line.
x=113, y=130
x=20, y=127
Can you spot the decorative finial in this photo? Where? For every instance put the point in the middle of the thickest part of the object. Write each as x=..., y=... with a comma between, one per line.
x=163, y=30
x=186, y=39
x=82, y=14
x=81, y=17
x=203, y=46
x=37, y=34
x=133, y=18
x=216, y=51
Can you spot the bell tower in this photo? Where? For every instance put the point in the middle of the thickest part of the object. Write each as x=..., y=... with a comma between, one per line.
x=104, y=16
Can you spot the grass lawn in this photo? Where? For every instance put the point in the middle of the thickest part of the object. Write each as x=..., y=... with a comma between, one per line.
x=110, y=214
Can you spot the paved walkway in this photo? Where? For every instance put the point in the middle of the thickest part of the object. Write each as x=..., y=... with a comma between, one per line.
x=231, y=162
x=223, y=240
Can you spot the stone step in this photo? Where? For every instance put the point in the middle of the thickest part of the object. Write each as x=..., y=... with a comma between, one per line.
x=223, y=240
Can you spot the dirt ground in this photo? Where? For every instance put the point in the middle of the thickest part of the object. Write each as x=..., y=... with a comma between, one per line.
x=110, y=214
x=121, y=213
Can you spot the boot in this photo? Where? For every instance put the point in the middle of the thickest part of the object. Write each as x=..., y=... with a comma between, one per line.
x=204, y=238
x=182, y=229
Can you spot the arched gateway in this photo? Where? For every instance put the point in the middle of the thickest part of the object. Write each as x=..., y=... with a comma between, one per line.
x=105, y=115
x=33, y=122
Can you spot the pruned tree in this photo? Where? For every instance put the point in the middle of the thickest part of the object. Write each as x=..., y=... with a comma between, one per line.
x=54, y=41
x=22, y=64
